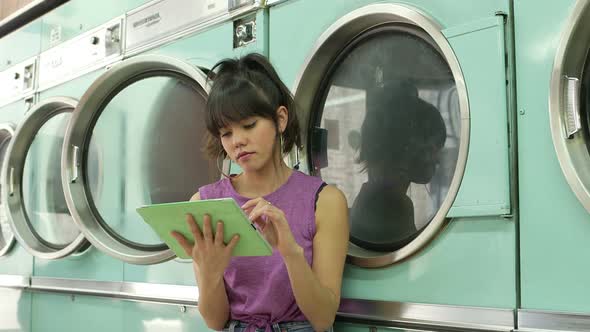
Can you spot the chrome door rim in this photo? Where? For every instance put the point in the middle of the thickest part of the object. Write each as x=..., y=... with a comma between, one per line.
x=12, y=172
x=330, y=43
x=77, y=134
x=9, y=129
x=569, y=61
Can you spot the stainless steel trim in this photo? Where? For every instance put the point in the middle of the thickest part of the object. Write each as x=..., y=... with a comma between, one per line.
x=90, y=51
x=6, y=132
x=27, y=14
x=194, y=28
x=134, y=291
x=12, y=170
x=428, y=316
x=79, y=131
x=307, y=84
x=393, y=314
x=537, y=320
x=382, y=313
x=569, y=62
x=12, y=281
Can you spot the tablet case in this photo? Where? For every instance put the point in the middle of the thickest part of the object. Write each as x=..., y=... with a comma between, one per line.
x=167, y=217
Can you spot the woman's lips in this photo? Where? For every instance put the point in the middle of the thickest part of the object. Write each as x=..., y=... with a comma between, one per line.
x=245, y=156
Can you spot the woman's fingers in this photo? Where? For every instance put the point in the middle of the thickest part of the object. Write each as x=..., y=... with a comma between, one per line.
x=207, y=233
x=192, y=224
x=251, y=203
x=233, y=243
x=258, y=211
x=219, y=233
x=184, y=243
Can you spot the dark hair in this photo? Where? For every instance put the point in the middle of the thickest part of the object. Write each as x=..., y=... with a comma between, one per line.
x=246, y=87
x=396, y=115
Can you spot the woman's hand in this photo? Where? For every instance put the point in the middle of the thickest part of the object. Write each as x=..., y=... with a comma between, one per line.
x=273, y=225
x=209, y=254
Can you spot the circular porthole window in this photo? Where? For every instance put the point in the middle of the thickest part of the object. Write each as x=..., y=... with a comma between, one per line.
x=32, y=192
x=569, y=103
x=388, y=124
x=6, y=235
x=146, y=118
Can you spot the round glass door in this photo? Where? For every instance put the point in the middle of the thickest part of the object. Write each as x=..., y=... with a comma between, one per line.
x=569, y=103
x=6, y=236
x=146, y=119
x=388, y=126
x=33, y=191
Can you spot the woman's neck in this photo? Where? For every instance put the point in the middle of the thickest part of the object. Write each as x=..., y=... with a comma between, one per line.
x=263, y=181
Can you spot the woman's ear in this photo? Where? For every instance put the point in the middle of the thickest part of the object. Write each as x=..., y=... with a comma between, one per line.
x=282, y=118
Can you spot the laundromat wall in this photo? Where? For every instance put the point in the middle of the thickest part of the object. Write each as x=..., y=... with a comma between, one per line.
x=460, y=270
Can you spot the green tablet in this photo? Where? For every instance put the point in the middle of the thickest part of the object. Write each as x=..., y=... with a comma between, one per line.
x=168, y=217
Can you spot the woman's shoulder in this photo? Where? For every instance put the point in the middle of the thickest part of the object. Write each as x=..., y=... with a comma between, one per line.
x=308, y=179
x=331, y=196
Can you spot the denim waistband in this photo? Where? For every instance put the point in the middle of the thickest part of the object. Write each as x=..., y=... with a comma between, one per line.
x=277, y=327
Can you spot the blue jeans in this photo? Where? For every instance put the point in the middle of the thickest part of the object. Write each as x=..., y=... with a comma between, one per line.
x=237, y=326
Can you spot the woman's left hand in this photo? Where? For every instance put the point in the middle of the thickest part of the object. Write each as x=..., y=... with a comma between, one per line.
x=273, y=225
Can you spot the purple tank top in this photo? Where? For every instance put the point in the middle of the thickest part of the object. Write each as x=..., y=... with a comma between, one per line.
x=258, y=288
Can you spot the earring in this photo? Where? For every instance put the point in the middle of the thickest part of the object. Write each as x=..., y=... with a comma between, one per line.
x=219, y=168
x=297, y=161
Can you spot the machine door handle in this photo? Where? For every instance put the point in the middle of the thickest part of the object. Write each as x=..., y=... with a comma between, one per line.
x=11, y=182
x=572, y=107
x=75, y=151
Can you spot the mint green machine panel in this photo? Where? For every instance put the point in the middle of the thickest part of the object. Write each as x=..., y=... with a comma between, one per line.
x=76, y=17
x=68, y=313
x=17, y=261
x=554, y=227
x=92, y=264
x=28, y=39
x=485, y=186
x=146, y=317
x=202, y=49
x=472, y=261
x=15, y=317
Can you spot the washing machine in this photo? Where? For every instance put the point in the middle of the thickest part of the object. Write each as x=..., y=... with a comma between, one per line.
x=552, y=43
x=145, y=115
x=408, y=108
x=16, y=264
x=33, y=194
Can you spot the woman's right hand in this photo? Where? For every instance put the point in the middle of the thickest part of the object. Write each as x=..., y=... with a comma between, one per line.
x=210, y=255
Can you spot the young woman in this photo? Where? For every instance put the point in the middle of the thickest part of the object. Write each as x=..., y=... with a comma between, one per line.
x=251, y=120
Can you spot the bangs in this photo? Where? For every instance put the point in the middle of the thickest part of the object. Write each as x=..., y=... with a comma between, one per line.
x=233, y=100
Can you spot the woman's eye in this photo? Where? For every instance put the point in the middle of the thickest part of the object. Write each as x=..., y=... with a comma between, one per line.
x=227, y=134
x=251, y=125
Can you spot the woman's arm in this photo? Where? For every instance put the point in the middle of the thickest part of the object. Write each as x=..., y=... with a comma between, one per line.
x=213, y=302
x=317, y=288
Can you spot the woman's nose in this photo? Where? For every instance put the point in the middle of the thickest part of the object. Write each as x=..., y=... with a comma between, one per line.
x=239, y=138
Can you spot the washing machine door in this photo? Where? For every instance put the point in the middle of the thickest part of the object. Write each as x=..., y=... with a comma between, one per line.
x=32, y=192
x=388, y=124
x=146, y=116
x=569, y=103
x=6, y=235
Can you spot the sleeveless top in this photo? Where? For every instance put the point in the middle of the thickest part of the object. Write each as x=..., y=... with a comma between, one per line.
x=258, y=288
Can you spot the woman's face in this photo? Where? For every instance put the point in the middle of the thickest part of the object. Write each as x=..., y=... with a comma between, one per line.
x=250, y=142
